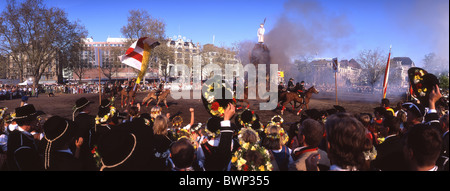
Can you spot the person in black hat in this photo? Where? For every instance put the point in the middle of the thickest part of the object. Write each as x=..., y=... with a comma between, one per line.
x=59, y=135
x=249, y=119
x=117, y=149
x=217, y=150
x=22, y=153
x=106, y=119
x=85, y=123
x=379, y=113
x=414, y=114
x=300, y=89
x=291, y=85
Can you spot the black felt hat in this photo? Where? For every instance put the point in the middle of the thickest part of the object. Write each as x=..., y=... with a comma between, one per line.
x=380, y=110
x=104, y=108
x=313, y=114
x=339, y=108
x=213, y=126
x=58, y=130
x=82, y=102
x=417, y=109
x=58, y=134
x=26, y=112
x=117, y=148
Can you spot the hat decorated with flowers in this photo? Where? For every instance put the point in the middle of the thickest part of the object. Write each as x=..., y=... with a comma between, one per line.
x=213, y=127
x=249, y=119
x=251, y=157
x=277, y=119
x=155, y=111
x=421, y=83
x=106, y=111
x=177, y=121
x=216, y=95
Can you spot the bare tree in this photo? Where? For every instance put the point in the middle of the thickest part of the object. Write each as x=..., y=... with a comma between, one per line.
x=373, y=63
x=76, y=62
x=111, y=64
x=435, y=64
x=162, y=56
x=142, y=24
x=34, y=36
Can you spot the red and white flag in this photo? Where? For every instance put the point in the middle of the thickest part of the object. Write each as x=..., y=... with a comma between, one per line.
x=134, y=55
x=386, y=74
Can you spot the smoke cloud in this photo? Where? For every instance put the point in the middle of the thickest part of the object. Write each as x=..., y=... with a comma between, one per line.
x=305, y=28
x=426, y=23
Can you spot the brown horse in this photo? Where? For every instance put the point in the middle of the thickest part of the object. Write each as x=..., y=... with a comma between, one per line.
x=287, y=97
x=152, y=96
x=128, y=96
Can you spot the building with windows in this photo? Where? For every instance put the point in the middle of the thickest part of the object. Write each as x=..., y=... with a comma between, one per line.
x=399, y=67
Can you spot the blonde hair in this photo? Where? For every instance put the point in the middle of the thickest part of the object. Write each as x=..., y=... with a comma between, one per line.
x=160, y=125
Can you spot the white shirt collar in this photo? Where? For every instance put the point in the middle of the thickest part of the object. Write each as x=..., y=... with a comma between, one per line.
x=23, y=131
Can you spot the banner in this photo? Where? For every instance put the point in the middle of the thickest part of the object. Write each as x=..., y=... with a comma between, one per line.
x=137, y=56
x=335, y=65
x=386, y=74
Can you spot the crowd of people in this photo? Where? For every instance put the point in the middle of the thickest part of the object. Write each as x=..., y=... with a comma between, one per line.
x=8, y=91
x=409, y=137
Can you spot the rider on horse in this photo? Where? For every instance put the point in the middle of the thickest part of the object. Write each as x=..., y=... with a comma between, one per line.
x=160, y=88
x=290, y=86
x=300, y=89
x=130, y=85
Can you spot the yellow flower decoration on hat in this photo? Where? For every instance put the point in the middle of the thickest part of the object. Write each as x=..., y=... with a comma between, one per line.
x=238, y=161
x=104, y=119
x=281, y=134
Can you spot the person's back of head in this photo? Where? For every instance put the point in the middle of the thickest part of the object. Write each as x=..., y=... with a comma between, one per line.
x=393, y=124
x=423, y=146
x=249, y=135
x=182, y=153
x=347, y=139
x=312, y=131
x=272, y=141
x=385, y=102
x=365, y=119
x=160, y=125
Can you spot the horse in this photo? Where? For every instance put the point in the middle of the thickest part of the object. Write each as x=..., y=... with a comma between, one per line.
x=152, y=96
x=287, y=97
x=128, y=95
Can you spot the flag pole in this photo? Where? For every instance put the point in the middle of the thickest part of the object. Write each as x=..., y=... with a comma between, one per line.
x=386, y=74
x=97, y=51
x=335, y=68
x=335, y=87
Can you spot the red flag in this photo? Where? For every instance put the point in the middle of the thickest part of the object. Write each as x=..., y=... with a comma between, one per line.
x=386, y=74
x=133, y=56
x=137, y=56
